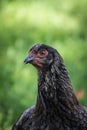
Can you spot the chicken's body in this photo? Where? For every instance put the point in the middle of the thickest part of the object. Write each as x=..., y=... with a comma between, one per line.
x=57, y=107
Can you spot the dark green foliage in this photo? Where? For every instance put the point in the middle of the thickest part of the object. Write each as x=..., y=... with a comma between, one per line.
x=62, y=24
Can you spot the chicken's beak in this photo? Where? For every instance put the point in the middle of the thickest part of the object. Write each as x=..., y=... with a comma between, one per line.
x=28, y=59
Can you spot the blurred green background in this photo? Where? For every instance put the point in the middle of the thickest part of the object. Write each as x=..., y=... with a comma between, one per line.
x=61, y=24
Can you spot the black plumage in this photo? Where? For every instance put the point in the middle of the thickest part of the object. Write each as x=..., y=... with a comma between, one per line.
x=57, y=107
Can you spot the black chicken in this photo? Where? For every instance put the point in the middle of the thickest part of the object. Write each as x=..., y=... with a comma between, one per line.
x=57, y=107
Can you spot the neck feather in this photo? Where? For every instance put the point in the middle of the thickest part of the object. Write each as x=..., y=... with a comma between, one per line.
x=55, y=90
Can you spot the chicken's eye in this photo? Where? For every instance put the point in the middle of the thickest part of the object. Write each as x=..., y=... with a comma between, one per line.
x=42, y=53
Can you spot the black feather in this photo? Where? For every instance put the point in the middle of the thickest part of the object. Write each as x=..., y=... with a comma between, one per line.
x=57, y=107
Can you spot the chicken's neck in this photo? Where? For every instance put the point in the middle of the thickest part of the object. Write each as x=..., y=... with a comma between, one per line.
x=55, y=91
